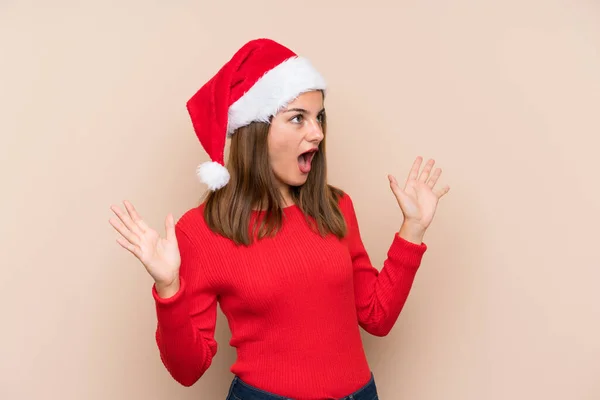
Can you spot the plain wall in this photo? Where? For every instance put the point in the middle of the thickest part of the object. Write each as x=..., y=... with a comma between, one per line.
x=505, y=95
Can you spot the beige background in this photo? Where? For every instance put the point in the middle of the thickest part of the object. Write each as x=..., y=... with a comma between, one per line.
x=504, y=94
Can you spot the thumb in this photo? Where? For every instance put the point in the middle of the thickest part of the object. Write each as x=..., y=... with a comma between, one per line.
x=401, y=196
x=170, y=228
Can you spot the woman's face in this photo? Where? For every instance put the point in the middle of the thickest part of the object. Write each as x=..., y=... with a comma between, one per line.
x=294, y=135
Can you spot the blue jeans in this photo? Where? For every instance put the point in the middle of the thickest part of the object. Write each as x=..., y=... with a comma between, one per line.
x=240, y=390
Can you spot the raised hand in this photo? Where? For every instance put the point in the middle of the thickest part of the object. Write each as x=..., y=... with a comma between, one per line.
x=419, y=197
x=160, y=256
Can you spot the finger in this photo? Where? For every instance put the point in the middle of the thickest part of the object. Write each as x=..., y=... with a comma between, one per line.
x=126, y=233
x=126, y=220
x=401, y=197
x=170, y=227
x=426, y=171
x=434, y=177
x=414, y=171
x=398, y=192
x=135, y=250
x=393, y=182
x=394, y=185
x=442, y=191
x=135, y=216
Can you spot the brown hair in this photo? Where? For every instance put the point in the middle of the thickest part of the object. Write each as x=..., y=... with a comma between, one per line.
x=228, y=210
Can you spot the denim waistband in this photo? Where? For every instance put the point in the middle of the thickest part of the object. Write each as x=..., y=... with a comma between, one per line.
x=240, y=390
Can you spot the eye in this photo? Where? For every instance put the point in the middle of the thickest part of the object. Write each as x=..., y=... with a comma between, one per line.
x=297, y=119
x=321, y=117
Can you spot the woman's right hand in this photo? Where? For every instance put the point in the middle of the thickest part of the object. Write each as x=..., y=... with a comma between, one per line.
x=160, y=256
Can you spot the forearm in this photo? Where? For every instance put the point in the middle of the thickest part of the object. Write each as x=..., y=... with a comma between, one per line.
x=382, y=296
x=183, y=350
x=184, y=353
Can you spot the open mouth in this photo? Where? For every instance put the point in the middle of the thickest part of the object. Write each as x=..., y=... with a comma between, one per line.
x=305, y=160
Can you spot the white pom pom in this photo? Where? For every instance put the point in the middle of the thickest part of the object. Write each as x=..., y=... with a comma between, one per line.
x=213, y=174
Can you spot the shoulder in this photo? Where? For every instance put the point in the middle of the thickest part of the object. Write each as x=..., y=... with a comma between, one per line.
x=345, y=204
x=191, y=218
x=192, y=225
x=343, y=198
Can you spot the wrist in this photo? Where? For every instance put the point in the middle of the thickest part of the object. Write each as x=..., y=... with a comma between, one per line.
x=166, y=290
x=412, y=232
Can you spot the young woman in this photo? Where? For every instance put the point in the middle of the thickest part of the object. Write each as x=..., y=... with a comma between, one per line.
x=273, y=244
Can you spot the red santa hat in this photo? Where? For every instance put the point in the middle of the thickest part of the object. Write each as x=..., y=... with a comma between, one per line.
x=261, y=78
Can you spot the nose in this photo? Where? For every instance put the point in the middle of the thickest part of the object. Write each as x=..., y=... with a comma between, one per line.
x=315, y=132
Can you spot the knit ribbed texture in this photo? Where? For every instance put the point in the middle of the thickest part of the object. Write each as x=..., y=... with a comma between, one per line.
x=294, y=304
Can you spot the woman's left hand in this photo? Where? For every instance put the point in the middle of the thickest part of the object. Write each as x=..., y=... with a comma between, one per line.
x=419, y=198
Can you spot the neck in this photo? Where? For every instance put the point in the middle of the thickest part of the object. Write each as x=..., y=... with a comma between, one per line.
x=286, y=201
x=286, y=196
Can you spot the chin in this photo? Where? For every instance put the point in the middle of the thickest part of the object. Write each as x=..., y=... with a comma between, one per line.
x=297, y=181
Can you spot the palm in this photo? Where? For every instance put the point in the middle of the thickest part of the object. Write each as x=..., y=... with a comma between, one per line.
x=160, y=256
x=419, y=198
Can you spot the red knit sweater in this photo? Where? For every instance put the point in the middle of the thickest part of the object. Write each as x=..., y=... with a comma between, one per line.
x=294, y=304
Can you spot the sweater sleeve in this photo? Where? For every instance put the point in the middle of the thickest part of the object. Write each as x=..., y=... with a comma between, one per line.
x=380, y=296
x=186, y=321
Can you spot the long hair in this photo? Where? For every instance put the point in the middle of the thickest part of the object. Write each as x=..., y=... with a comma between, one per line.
x=252, y=185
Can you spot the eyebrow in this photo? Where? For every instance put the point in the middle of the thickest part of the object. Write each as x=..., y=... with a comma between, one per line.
x=301, y=110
